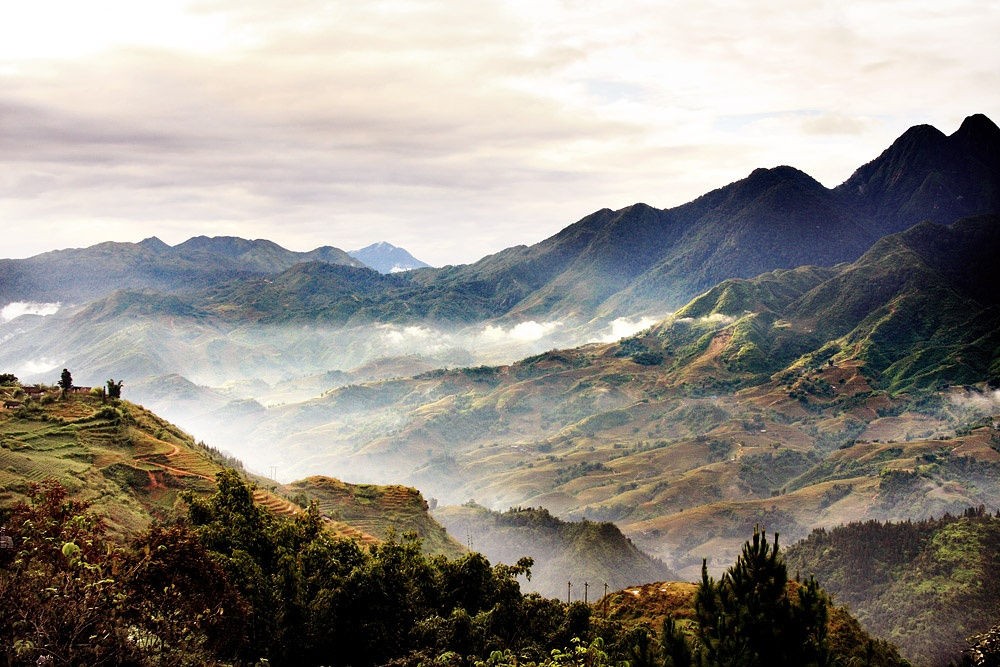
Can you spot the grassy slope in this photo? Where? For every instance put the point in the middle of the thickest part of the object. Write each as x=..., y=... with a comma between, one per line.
x=377, y=510
x=132, y=466
x=126, y=461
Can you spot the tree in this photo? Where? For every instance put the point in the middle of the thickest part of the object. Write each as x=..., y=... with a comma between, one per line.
x=181, y=607
x=65, y=381
x=674, y=647
x=114, y=388
x=8, y=380
x=64, y=603
x=749, y=619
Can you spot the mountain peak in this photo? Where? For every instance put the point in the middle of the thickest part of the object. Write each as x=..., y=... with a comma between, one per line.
x=980, y=129
x=922, y=131
x=783, y=172
x=763, y=178
x=153, y=243
x=387, y=258
x=978, y=120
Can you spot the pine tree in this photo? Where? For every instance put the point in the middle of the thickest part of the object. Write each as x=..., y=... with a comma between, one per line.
x=749, y=619
x=674, y=646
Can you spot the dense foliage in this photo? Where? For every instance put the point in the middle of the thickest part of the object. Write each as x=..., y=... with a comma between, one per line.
x=926, y=585
x=234, y=584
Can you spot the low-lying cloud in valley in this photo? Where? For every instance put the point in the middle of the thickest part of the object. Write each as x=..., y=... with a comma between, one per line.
x=623, y=327
x=18, y=308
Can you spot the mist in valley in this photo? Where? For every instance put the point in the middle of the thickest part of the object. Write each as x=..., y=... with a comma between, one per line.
x=215, y=381
x=585, y=432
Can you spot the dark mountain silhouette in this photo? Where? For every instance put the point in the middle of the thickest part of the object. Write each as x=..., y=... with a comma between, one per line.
x=642, y=259
x=925, y=175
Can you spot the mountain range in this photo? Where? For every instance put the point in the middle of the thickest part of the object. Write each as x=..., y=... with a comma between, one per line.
x=800, y=398
x=82, y=274
x=637, y=260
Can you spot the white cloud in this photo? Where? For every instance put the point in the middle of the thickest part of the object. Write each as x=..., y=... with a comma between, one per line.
x=714, y=318
x=529, y=331
x=987, y=402
x=623, y=327
x=18, y=308
x=34, y=366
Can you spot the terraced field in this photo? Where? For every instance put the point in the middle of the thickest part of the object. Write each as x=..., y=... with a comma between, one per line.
x=132, y=466
x=102, y=454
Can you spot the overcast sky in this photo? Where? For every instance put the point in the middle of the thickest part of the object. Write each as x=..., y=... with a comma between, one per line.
x=449, y=127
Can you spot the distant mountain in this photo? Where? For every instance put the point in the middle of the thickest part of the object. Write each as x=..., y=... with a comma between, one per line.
x=925, y=175
x=387, y=258
x=81, y=274
x=638, y=260
x=645, y=260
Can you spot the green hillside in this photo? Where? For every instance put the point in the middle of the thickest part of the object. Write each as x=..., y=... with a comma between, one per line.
x=127, y=462
x=927, y=586
x=132, y=467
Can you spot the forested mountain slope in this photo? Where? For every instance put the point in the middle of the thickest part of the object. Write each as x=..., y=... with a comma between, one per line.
x=582, y=553
x=927, y=586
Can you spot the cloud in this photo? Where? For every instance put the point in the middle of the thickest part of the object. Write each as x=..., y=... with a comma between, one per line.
x=986, y=402
x=714, y=318
x=529, y=331
x=623, y=327
x=452, y=129
x=35, y=366
x=18, y=308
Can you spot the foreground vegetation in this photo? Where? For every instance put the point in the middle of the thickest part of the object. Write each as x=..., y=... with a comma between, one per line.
x=236, y=584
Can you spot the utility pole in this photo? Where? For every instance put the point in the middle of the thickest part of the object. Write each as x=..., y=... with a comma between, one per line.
x=605, y=599
x=569, y=589
x=586, y=586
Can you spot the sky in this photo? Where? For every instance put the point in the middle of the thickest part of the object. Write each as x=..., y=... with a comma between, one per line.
x=452, y=128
